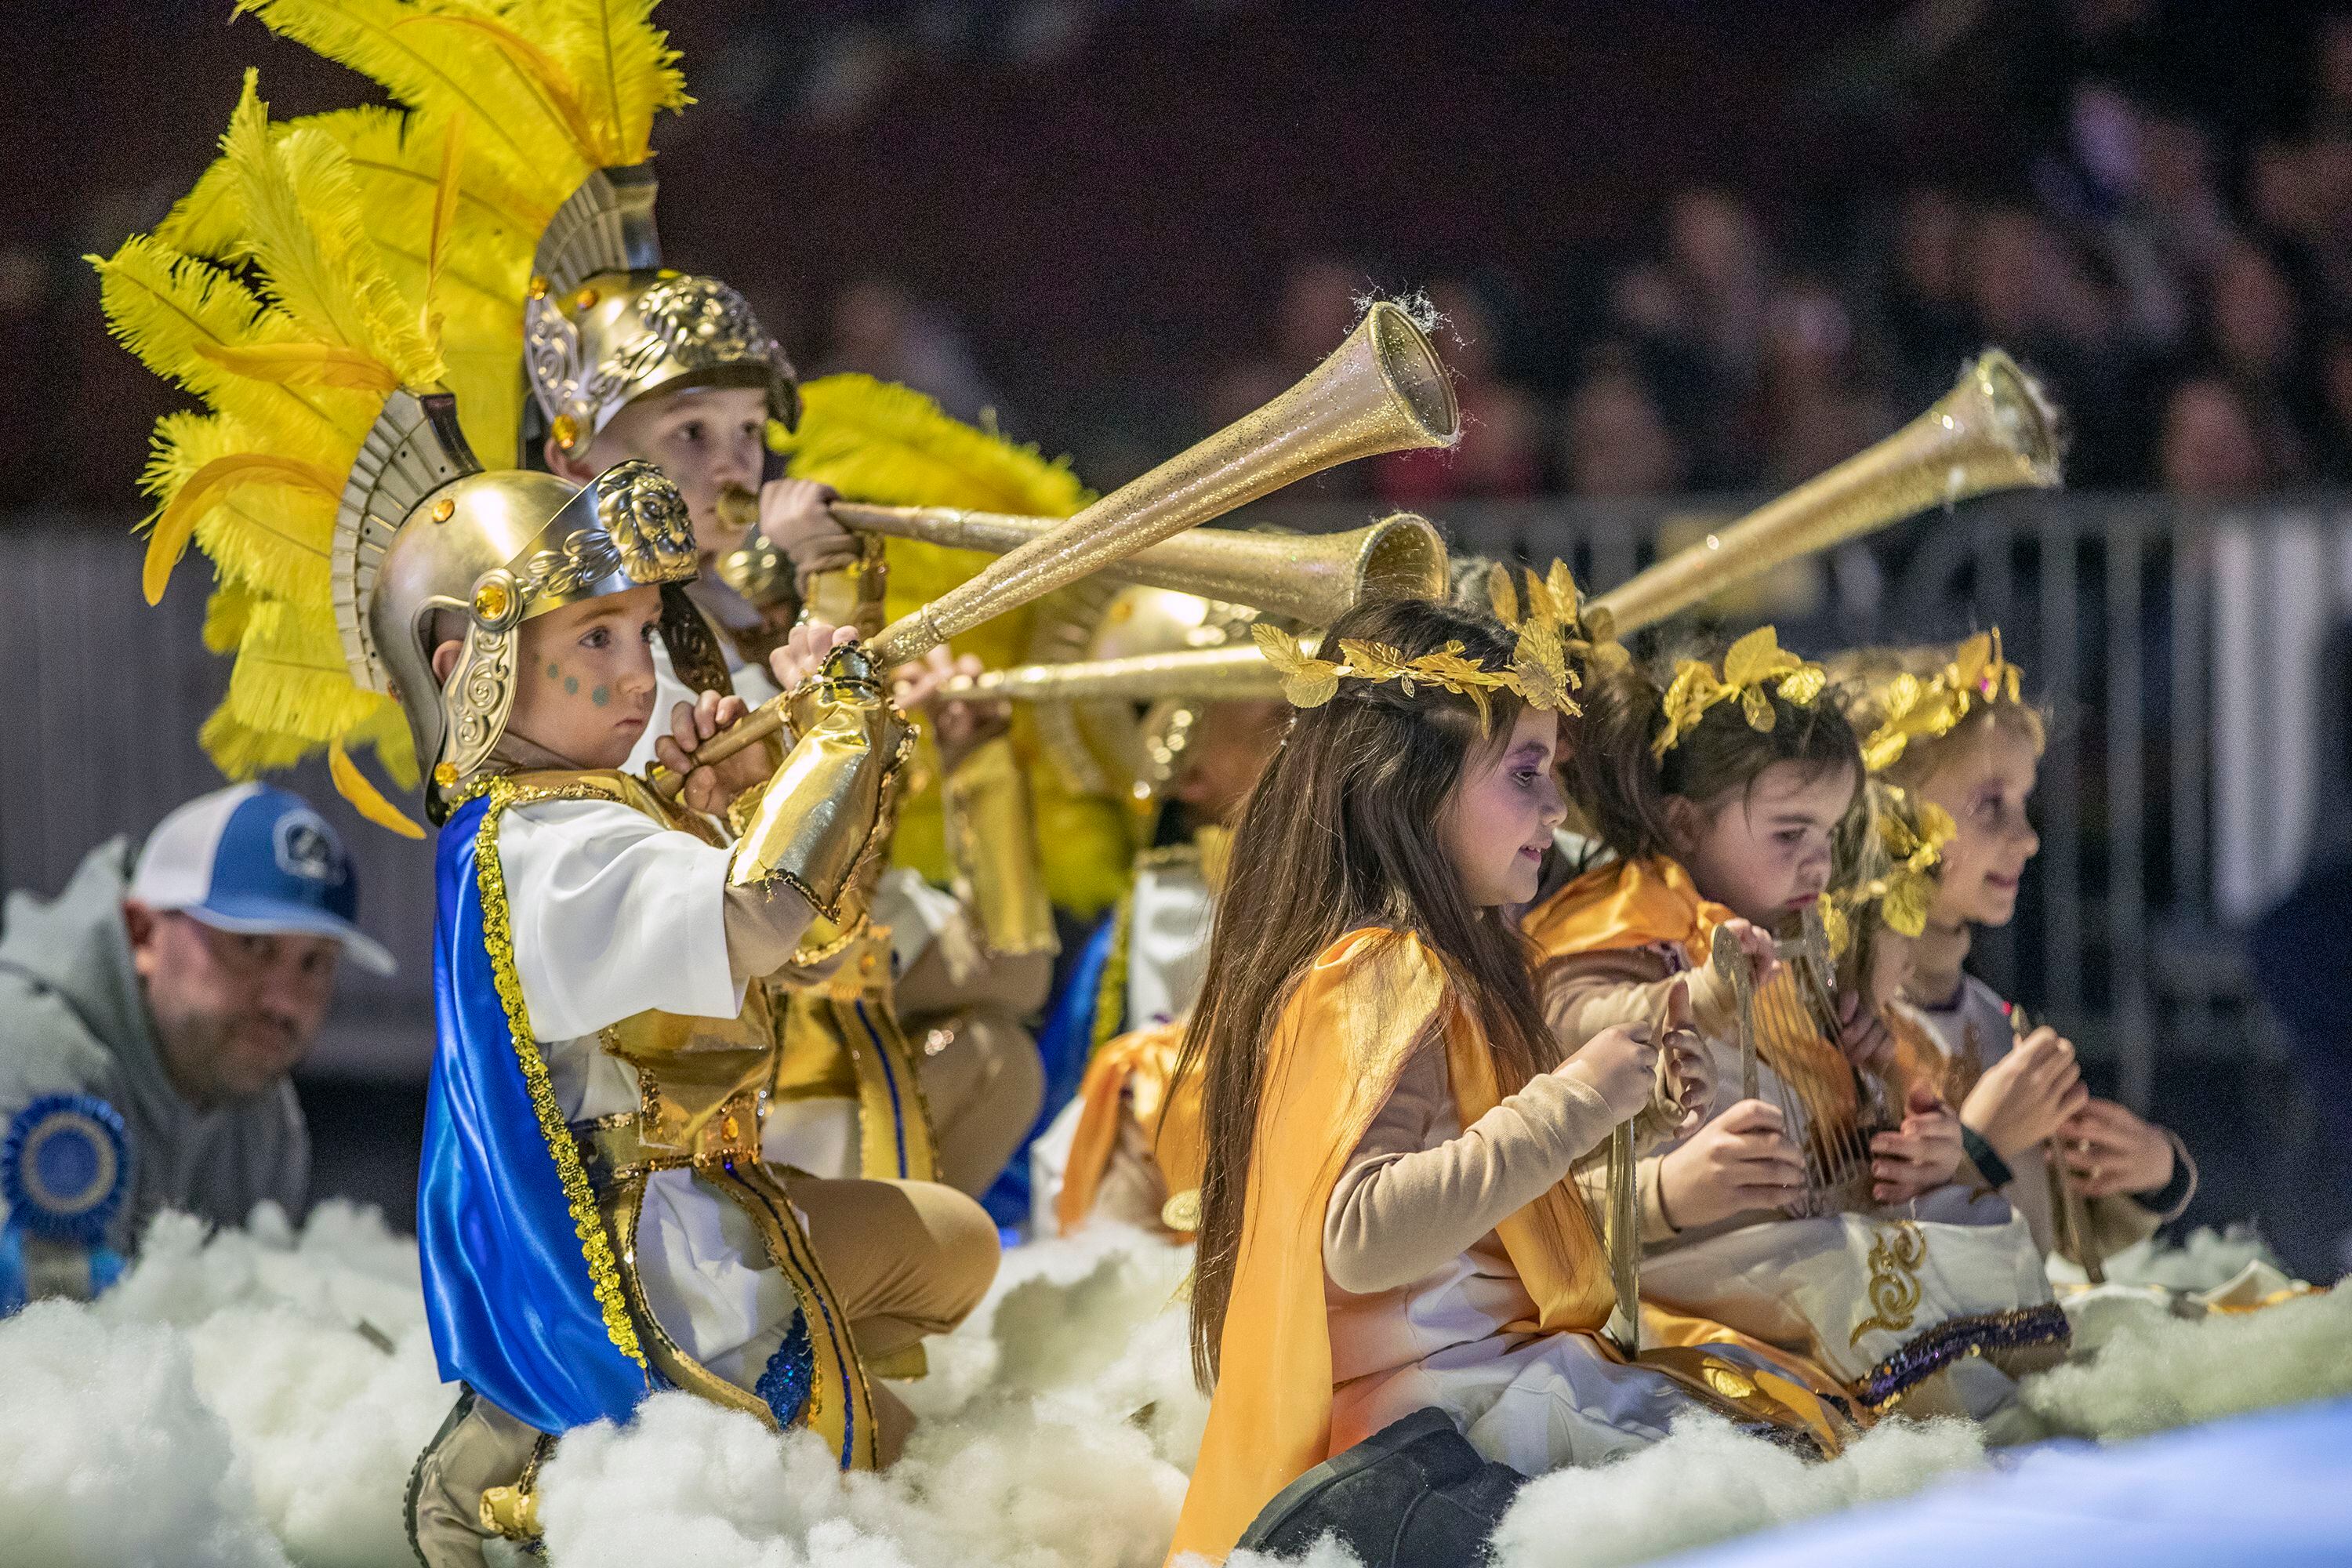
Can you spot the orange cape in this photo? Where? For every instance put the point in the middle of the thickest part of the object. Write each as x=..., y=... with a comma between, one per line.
x=1139, y=1070
x=1331, y=1062
x=1626, y=903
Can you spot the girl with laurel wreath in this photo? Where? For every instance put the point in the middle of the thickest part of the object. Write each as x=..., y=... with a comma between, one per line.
x=1387, y=1222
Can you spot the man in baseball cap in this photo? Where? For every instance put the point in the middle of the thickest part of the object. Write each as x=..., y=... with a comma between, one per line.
x=149, y=1017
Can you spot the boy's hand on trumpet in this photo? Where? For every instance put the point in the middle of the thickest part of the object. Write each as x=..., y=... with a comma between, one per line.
x=918, y=686
x=710, y=789
x=803, y=652
x=796, y=517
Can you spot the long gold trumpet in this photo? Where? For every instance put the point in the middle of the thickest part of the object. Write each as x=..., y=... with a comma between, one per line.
x=1382, y=390
x=1993, y=431
x=1313, y=578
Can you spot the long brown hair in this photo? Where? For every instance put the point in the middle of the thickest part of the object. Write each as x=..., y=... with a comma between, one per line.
x=1342, y=833
x=1623, y=788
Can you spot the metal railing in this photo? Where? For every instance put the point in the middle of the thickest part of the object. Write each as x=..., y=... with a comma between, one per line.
x=2176, y=647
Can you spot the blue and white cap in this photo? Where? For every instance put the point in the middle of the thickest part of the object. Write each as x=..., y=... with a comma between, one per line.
x=254, y=857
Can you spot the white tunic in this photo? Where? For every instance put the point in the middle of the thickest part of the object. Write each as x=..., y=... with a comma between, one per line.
x=612, y=916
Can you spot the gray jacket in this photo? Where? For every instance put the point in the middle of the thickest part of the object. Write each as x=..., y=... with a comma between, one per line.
x=73, y=1020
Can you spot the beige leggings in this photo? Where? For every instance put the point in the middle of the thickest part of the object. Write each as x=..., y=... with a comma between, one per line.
x=905, y=1259
x=983, y=1085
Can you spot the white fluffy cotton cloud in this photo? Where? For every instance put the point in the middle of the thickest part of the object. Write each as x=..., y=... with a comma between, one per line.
x=255, y=1399
x=1057, y=1424
x=107, y=1454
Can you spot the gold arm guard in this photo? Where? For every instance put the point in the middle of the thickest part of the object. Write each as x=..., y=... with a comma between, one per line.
x=850, y=596
x=992, y=838
x=822, y=813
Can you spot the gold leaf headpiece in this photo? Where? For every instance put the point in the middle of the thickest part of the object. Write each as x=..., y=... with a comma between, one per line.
x=1750, y=665
x=1915, y=709
x=1539, y=671
x=1910, y=833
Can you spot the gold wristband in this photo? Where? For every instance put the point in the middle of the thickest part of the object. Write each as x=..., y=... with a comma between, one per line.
x=992, y=839
x=822, y=813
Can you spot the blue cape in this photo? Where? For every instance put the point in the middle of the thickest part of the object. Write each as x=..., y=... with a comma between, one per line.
x=509, y=1281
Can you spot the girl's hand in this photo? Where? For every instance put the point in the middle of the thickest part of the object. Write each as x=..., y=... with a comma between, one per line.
x=710, y=789
x=957, y=726
x=1736, y=1164
x=1685, y=1063
x=1763, y=954
x=2026, y=1096
x=2111, y=1151
x=796, y=517
x=1864, y=1036
x=803, y=652
x=1920, y=1156
x=1620, y=1065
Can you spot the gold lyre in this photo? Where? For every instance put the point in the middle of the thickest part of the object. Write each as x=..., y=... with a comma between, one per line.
x=2070, y=1220
x=1382, y=390
x=1839, y=1102
x=1993, y=431
x=1622, y=1235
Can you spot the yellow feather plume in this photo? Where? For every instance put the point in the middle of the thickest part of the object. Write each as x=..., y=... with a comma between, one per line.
x=268, y=538
x=305, y=230
x=353, y=786
x=177, y=521
x=624, y=65
x=438, y=71
x=293, y=368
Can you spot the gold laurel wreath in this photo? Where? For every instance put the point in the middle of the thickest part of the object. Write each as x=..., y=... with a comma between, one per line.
x=1749, y=665
x=1915, y=709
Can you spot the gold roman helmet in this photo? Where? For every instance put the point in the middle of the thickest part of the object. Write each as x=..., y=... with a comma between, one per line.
x=605, y=323
x=422, y=532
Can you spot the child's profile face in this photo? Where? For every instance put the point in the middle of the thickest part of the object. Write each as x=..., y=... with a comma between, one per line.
x=703, y=440
x=1232, y=745
x=584, y=678
x=1985, y=785
x=1498, y=822
x=1766, y=850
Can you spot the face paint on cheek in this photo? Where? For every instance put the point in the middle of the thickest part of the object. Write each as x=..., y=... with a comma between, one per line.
x=553, y=669
x=601, y=696
x=572, y=686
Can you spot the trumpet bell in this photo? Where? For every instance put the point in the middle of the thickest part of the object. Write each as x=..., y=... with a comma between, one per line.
x=1993, y=431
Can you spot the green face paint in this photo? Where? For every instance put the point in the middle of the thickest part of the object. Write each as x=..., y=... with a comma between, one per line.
x=554, y=670
x=601, y=696
x=570, y=686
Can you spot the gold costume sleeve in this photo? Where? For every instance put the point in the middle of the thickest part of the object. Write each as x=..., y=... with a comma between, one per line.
x=820, y=815
x=992, y=838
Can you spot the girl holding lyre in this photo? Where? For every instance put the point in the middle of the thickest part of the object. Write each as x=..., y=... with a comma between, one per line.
x=1722, y=796
x=1387, y=1222
x=1950, y=724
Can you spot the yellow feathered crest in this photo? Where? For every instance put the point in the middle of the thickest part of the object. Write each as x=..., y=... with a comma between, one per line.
x=503, y=111
x=292, y=368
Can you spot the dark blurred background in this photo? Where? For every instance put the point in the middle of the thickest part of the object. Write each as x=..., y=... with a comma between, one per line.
x=1687, y=253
